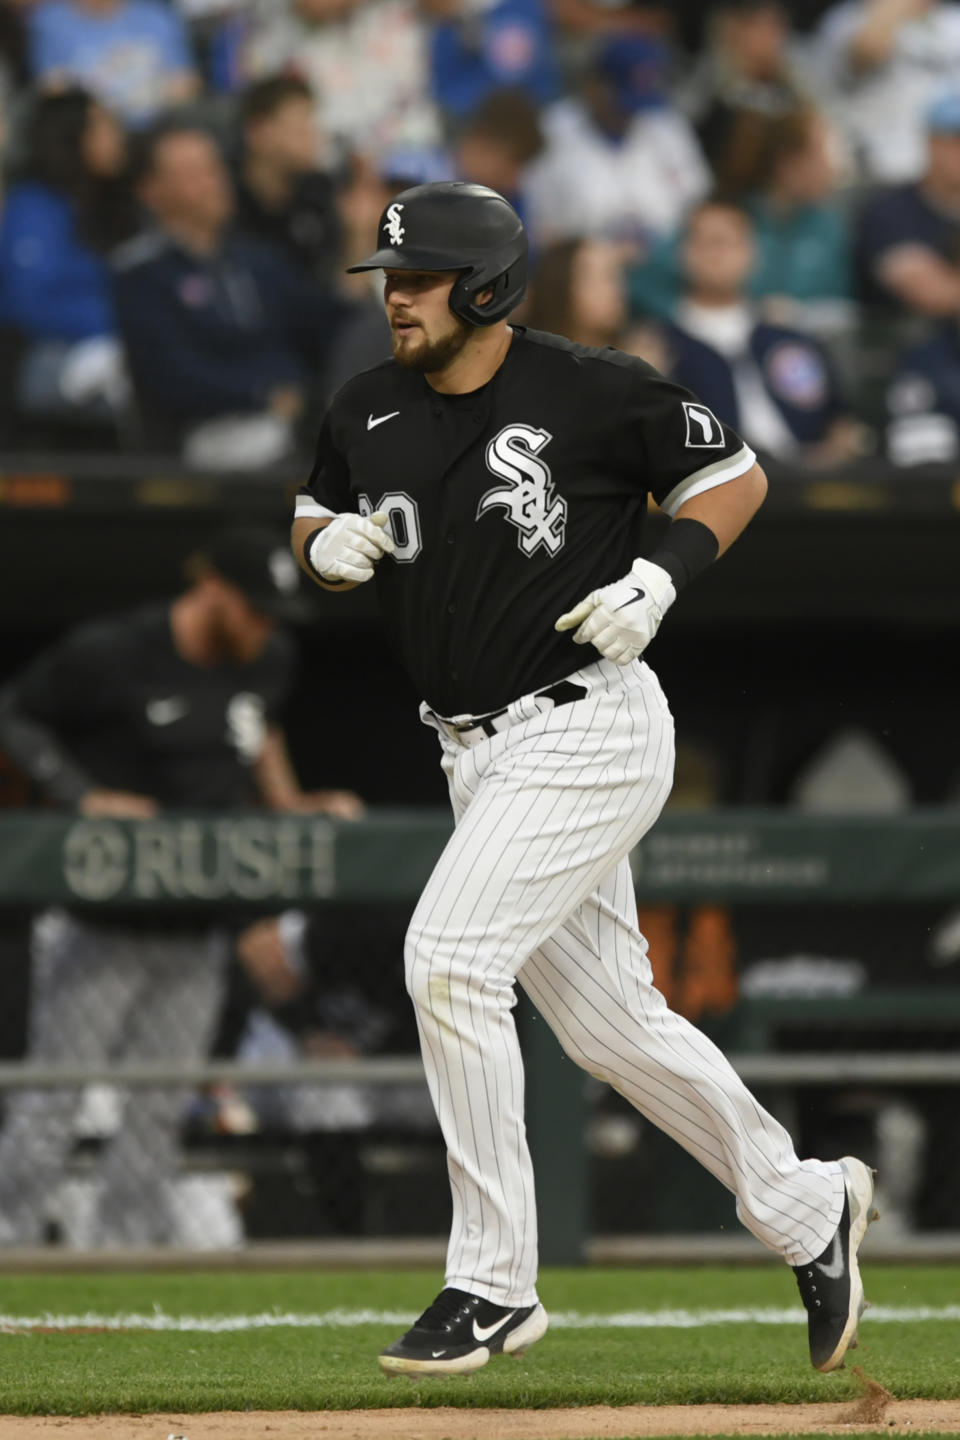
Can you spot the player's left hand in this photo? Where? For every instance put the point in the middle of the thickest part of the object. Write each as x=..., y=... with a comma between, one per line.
x=621, y=619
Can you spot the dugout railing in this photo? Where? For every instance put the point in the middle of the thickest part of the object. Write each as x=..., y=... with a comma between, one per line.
x=733, y=857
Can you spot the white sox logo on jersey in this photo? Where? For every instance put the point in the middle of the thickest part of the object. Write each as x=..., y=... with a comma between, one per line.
x=528, y=497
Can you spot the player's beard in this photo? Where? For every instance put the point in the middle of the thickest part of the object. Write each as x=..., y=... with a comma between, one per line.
x=428, y=357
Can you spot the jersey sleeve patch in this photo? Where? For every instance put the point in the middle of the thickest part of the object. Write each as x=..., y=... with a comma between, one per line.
x=704, y=431
x=709, y=476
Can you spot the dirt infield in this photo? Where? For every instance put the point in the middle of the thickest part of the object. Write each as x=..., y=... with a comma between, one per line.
x=601, y=1422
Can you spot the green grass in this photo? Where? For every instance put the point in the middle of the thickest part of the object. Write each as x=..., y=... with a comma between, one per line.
x=335, y=1367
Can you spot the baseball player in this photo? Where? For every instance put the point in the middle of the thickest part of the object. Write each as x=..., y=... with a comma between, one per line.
x=493, y=480
x=166, y=708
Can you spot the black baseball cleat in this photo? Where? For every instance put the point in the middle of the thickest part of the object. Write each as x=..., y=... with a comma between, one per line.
x=459, y=1332
x=830, y=1286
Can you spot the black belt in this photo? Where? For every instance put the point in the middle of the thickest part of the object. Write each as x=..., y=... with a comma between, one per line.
x=562, y=693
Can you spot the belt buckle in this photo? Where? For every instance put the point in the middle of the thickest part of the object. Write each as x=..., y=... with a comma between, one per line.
x=485, y=723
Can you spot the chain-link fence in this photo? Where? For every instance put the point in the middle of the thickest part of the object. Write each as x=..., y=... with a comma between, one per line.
x=194, y=1078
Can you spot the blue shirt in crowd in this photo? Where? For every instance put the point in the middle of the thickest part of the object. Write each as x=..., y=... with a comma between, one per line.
x=123, y=56
x=52, y=287
x=508, y=46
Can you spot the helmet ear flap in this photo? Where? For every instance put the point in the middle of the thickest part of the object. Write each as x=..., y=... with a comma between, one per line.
x=508, y=290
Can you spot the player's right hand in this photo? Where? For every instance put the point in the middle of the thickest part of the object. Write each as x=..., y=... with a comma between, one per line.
x=350, y=546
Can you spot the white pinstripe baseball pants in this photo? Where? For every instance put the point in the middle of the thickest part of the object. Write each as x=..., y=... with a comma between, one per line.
x=534, y=885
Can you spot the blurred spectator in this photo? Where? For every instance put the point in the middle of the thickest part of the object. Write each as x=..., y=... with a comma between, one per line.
x=620, y=161
x=880, y=63
x=783, y=170
x=134, y=55
x=170, y=707
x=497, y=143
x=365, y=60
x=480, y=46
x=775, y=385
x=923, y=401
x=68, y=206
x=577, y=291
x=222, y=337
x=746, y=69
x=910, y=236
x=284, y=196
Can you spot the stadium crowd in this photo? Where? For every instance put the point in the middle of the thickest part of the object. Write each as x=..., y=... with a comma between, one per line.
x=762, y=198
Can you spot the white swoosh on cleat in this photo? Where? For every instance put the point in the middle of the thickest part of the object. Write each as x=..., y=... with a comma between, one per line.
x=484, y=1332
x=834, y=1269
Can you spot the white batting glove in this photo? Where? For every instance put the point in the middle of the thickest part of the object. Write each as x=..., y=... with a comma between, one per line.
x=350, y=546
x=621, y=619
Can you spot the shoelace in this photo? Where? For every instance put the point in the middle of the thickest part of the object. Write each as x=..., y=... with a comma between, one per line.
x=807, y=1283
x=446, y=1306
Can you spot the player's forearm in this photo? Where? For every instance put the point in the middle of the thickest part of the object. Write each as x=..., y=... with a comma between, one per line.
x=300, y=534
x=727, y=509
x=922, y=281
x=38, y=752
x=274, y=774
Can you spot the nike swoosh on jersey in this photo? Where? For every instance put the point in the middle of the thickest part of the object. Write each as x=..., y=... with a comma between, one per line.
x=373, y=423
x=834, y=1268
x=637, y=595
x=484, y=1332
x=165, y=712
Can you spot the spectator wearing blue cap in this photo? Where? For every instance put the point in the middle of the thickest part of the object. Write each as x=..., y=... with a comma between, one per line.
x=910, y=234
x=878, y=65
x=620, y=161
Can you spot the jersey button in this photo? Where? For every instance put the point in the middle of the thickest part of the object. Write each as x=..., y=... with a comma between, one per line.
x=451, y=609
x=451, y=538
x=454, y=675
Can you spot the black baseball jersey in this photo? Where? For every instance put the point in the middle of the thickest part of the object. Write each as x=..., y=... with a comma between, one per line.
x=114, y=705
x=510, y=504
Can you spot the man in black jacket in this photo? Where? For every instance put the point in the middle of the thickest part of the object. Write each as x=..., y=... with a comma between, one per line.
x=169, y=707
x=223, y=338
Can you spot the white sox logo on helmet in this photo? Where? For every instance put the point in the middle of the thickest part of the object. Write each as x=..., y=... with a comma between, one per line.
x=528, y=497
x=394, y=225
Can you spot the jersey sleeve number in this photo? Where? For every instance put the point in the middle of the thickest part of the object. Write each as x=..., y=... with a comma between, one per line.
x=403, y=522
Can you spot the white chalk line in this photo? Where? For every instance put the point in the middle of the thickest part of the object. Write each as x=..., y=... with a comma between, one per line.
x=157, y=1320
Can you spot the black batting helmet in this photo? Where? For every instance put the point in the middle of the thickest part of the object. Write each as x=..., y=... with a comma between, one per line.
x=450, y=225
